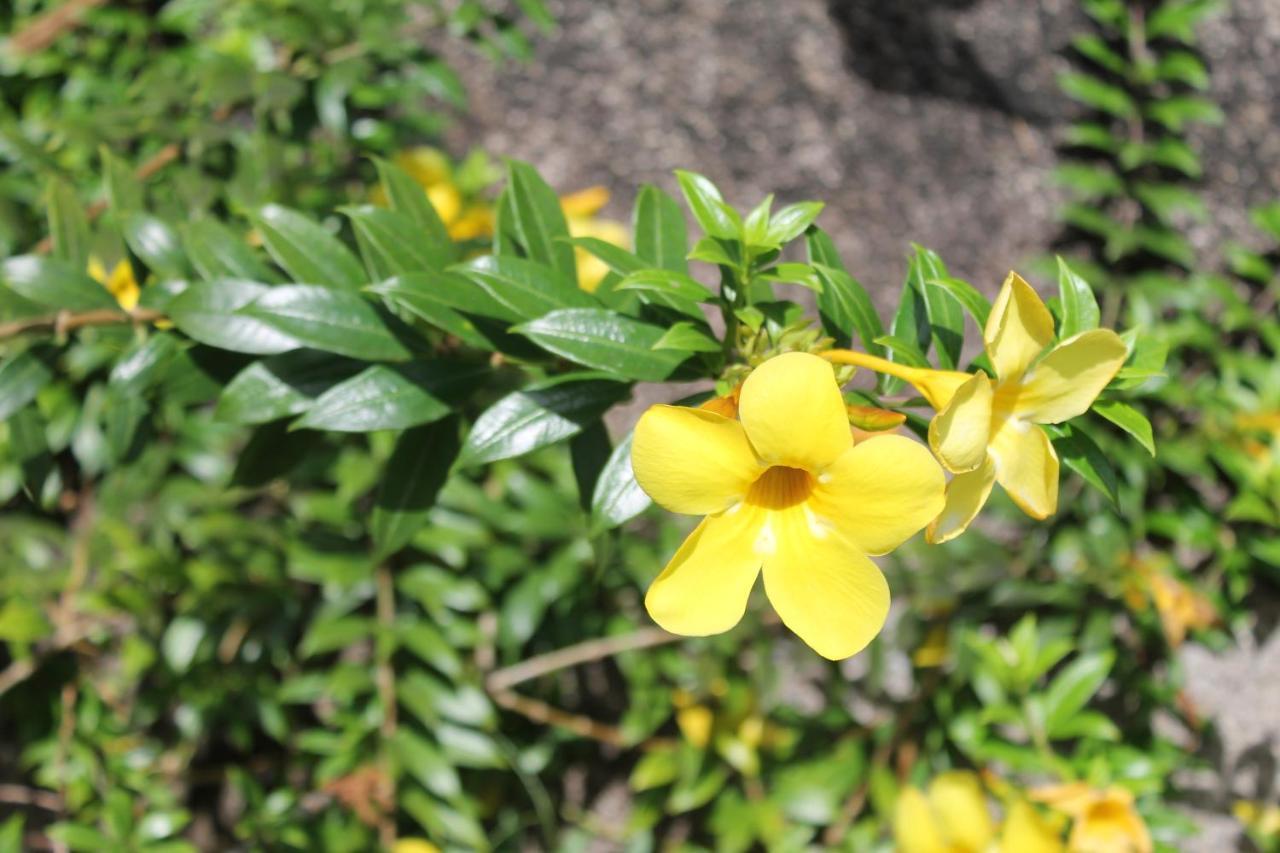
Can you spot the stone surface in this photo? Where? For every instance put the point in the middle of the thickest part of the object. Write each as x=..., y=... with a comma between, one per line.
x=931, y=121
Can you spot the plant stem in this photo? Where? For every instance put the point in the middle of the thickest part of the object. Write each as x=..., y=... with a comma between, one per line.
x=67, y=321
x=386, y=681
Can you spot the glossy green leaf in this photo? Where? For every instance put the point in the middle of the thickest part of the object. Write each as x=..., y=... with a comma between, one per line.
x=211, y=313
x=1100, y=95
x=418, y=467
x=1073, y=687
x=538, y=221
x=619, y=260
x=792, y=221
x=1079, y=307
x=54, y=283
x=217, y=252
x=281, y=386
x=379, y=397
x=156, y=243
x=661, y=237
x=601, y=339
x=708, y=207
x=844, y=304
x=1079, y=452
x=306, y=250
x=689, y=337
x=408, y=198
x=543, y=414
x=393, y=244
x=335, y=321
x=1128, y=419
x=123, y=189
x=526, y=289
x=617, y=498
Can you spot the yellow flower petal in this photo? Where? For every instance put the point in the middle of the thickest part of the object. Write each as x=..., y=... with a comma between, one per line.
x=447, y=201
x=704, y=589
x=880, y=492
x=1110, y=824
x=966, y=495
x=427, y=166
x=1071, y=798
x=1018, y=328
x=414, y=845
x=961, y=807
x=1027, y=467
x=584, y=203
x=936, y=386
x=826, y=590
x=959, y=433
x=793, y=412
x=915, y=829
x=1026, y=831
x=692, y=460
x=1065, y=382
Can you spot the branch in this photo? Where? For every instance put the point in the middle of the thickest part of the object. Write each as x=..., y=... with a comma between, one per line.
x=43, y=30
x=67, y=321
x=584, y=652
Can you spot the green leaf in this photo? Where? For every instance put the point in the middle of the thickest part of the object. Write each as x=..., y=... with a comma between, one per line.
x=844, y=304
x=904, y=352
x=124, y=190
x=1095, y=48
x=617, y=498
x=755, y=226
x=1181, y=66
x=1095, y=93
x=393, y=244
x=526, y=289
x=216, y=252
x=380, y=397
x=1073, y=687
x=308, y=252
x=712, y=251
x=55, y=284
x=598, y=338
x=708, y=207
x=542, y=414
x=1079, y=307
x=408, y=198
x=688, y=337
x=538, y=220
x=1266, y=218
x=676, y=284
x=282, y=386
x=978, y=306
x=21, y=378
x=792, y=221
x=331, y=320
x=945, y=315
x=619, y=260
x=1177, y=19
x=1128, y=419
x=661, y=237
x=417, y=469
x=156, y=243
x=210, y=312
x=68, y=225
x=79, y=837
x=1081, y=454
x=1176, y=112
x=145, y=364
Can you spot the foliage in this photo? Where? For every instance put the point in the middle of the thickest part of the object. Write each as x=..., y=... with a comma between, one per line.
x=322, y=540
x=231, y=106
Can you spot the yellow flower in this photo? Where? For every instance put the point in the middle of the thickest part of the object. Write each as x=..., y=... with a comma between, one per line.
x=951, y=818
x=120, y=282
x=1263, y=820
x=784, y=488
x=1026, y=831
x=580, y=211
x=985, y=430
x=414, y=845
x=1104, y=821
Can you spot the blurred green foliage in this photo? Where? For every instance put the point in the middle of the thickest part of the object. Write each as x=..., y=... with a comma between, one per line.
x=237, y=102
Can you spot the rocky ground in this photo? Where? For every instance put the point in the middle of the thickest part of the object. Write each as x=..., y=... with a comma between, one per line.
x=931, y=121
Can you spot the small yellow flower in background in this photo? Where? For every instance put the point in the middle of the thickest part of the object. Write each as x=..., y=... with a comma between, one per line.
x=580, y=211
x=786, y=489
x=952, y=816
x=1103, y=820
x=1260, y=820
x=120, y=282
x=985, y=430
x=1181, y=607
x=465, y=220
x=414, y=845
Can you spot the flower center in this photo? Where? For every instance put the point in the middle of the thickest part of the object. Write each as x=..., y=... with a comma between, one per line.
x=780, y=487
